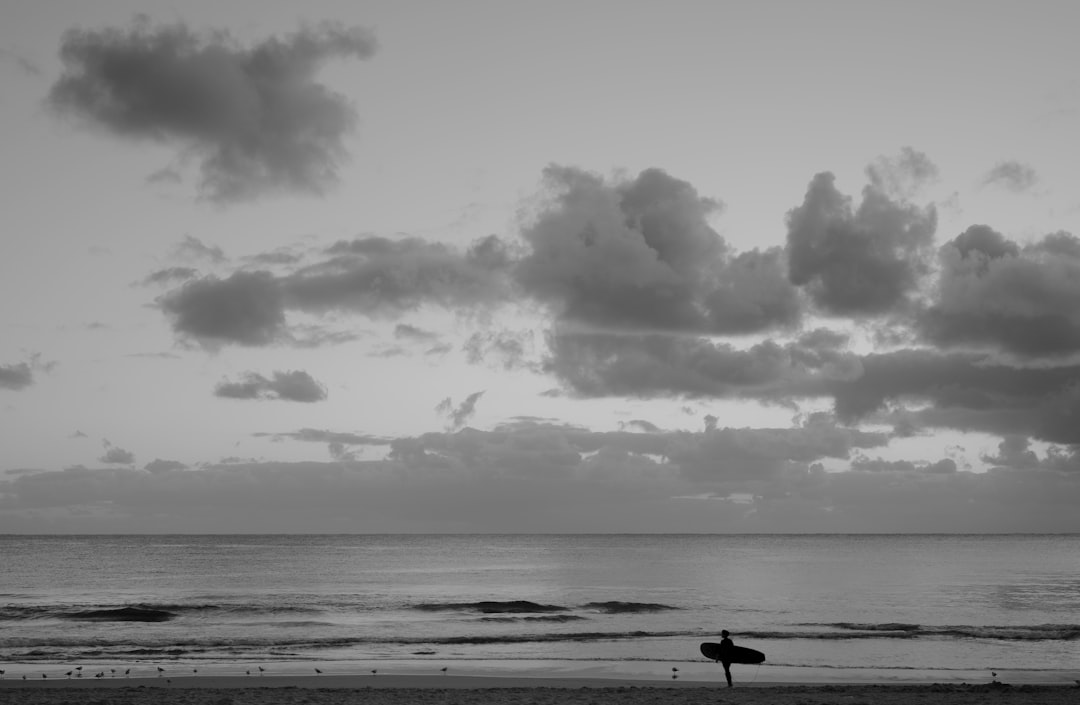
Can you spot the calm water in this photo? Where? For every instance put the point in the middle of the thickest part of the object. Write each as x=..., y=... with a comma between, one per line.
x=821, y=607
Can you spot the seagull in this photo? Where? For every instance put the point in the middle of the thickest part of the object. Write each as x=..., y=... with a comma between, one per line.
x=160, y=670
x=127, y=672
x=674, y=670
x=261, y=670
x=44, y=676
x=443, y=669
x=99, y=675
x=374, y=671
x=249, y=671
x=195, y=671
x=2, y=672
x=68, y=674
x=318, y=671
x=78, y=668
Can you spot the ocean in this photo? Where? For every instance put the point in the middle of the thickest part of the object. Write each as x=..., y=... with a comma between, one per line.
x=823, y=608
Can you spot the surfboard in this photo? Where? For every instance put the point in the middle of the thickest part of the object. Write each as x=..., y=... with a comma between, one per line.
x=733, y=654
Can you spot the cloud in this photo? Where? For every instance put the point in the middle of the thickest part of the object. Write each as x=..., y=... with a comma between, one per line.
x=597, y=364
x=255, y=117
x=166, y=175
x=902, y=176
x=403, y=331
x=247, y=308
x=994, y=294
x=865, y=464
x=861, y=262
x=1011, y=175
x=159, y=466
x=640, y=254
x=963, y=391
x=537, y=476
x=192, y=248
x=371, y=276
x=24, y=64
x=294, y=385
x=458, y=417
x=510, y=349
x=170, y=275
x=115, y=455
x=16, y=377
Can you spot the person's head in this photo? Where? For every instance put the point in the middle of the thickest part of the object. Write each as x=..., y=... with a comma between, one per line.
x=724, y=633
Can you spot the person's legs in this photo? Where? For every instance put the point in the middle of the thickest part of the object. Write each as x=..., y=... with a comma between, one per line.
x=727, y=672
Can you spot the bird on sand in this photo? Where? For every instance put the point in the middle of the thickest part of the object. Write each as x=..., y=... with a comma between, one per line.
x=2, y=672
x=318, y=671
x=127, y=672
x=443, y=669
x=374, y=671
x=160, y=670
x=261, y=670
x=68, y=674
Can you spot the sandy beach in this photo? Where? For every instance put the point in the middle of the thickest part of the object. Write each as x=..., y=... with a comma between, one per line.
x=402, y=690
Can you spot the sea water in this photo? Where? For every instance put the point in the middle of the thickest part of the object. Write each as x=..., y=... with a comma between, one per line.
x=821, y=607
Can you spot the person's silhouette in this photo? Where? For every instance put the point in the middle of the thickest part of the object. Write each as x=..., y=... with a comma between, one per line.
x=726, y=645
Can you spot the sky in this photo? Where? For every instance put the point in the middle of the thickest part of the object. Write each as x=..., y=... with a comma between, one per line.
x=539, y=267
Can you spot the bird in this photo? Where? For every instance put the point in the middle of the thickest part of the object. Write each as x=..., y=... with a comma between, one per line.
x=318, y=671
x=674, y=670
x=127, y=672
x=99, y=675
x=2, y=672
x=160, y=670
x=374, y=671
x=78, y=668
x=44, y=676
x=195, y=671
x=248, y=671
x=443, y=669
x=24, y=676
x=68, y=674
x=113, y=672
x=261, y=670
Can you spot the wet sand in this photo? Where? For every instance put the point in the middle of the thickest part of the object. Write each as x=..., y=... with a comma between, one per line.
x=469, y=690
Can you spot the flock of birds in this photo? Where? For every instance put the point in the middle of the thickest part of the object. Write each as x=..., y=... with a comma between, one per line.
x=77, y=672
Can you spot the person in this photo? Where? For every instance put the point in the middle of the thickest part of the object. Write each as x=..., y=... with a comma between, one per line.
x=726, y=645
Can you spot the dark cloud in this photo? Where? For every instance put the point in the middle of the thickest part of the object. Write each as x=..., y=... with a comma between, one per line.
x=1011, y=175
x=865, y=464
x=159, y=466
x=644, y=365
x=379, y=276
x=372, y=276
x=963, y=391
x=16, y=377
x=247, y=308
x=994, y=294
x=457, y=417
x=859, y=262
x=170, y=275
x=115, y=455
x=902, y=176
x=1014, y=452
x=640, y=254
x=255, y=116
x=294, y=385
